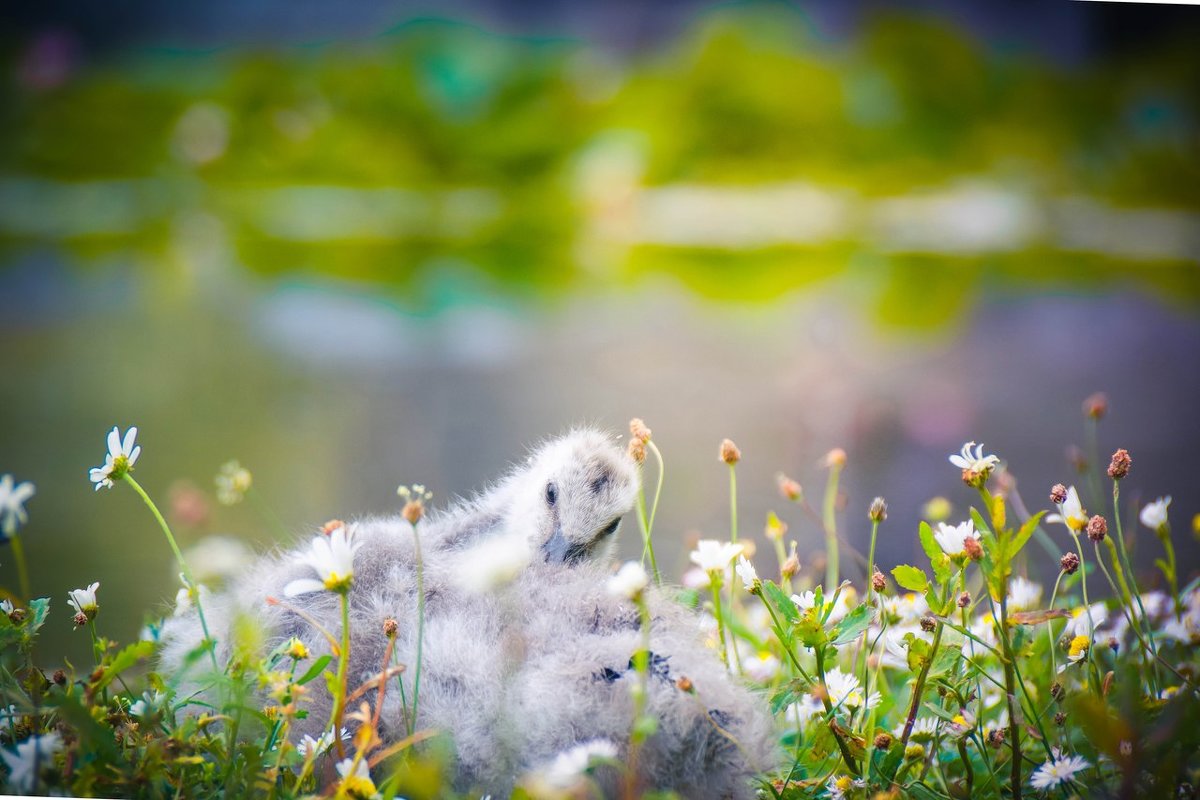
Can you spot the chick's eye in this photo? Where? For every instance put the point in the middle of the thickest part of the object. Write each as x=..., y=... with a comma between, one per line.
x=551, y=493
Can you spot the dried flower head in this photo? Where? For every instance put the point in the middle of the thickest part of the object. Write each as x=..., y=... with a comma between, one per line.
x=973, y=548
x=1097, y=528
x=1118, y=468
x=790, y=565
x=928, y=624
x=878, y=581
x=1060, y=718
x=638, y=429
x=790, y=489
x=390, y=627
x=637, y=451
x=1069, y=563
x=834, y=458
x=964, y=600
x=415, y=498
x=331, y=526
x=1057, y=691
x=684, y=684
x=883, y=741
x=878, y=510
x=1058, y=494
x=995, y=738
x=1096, y=405
x=730, y=453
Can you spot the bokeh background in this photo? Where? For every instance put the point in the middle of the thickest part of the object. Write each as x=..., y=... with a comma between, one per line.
x=361, y=244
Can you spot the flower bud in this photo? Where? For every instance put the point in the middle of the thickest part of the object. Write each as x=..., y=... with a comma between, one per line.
x=1096, y=405
x=60, y=677
x=995, y=738
x=878, y=582
x=332, y=525
x=1060, y=719
x=790, y=566
x=413, y=511
x=964, y=600
x=684, y=684
x=1057, y=691
x=973, y=548
x=914, y=752
x=729, y=452
x=1097, y=528
x=790, y=489
x=835, y=458
x=637, y=451
x=390, y=626
x=928, y=624
x=1069, y=563
x=878, y=510
x=883, y=741
x=638, y=429
x=1118, y=468
x=1058, y=494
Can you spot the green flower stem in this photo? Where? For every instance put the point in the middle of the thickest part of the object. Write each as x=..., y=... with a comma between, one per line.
x=339, y=698
x=866, y=649
x=1164, y=536
x=786, y=648
x=846, y=756
x=420, y=622
x=183, y=567
x=1050, y=626
x=22, y=570
x=781, y=554
x=734, y=600
x=646, y=520
x=1014, y=729
x=642, y=726
x=829, y=522
x=1125, y=565
x=919, y=687
x=714, y=584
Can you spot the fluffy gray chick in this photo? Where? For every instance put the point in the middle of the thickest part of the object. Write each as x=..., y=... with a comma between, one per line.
x=516, y=675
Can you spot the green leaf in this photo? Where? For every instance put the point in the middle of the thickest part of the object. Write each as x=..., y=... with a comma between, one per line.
x=980, y=524
x=778, y=598
x=1018, y=542
x=809, y=629
x=942, y=566
x=911, y=578
x=785, y=695
x=123, y=660
x=39, y=609
x=315, y=669
x=853, y=624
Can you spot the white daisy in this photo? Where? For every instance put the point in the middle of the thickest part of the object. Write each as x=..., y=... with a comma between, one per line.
x=696, y=578
x=974, y=460
x=1078, y=624
x=7, y=607
x=759, y=666
x=713, y=556
x=1071, y=512
x=121, y=456
x=183, y=597
x=924, y=729
x=908, y=607
x=148, y=704
x=745, y=571
x=84, y=600
x=804, y=709
x=31, y=757
x=952, y=538
x=1154, y=515
x=311, y=748
x=844, y=689
x=332, y=557
x=805, y=600
x=630, y=581
x=568, y=766
x=839, y=788
x=1057, y=771
x=1023, y=594
x=12, y=504
x=356, y=778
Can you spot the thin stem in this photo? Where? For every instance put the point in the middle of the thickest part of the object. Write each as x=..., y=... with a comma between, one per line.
x=1014, y=729
x=420, y=623
x=183, y=567
x=846, y=756
x=829, y=521
x=919, y=687
x=339, y=699
x=866, y=649
x=715, y=585
x=1083, y=581
x=1127, y=566
x=1050, y=625
x=22, y=571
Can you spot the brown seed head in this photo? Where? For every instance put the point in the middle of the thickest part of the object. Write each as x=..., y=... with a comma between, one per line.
x=684, y=684
x=729, y=452
x=835, y=458
x=1097, y=528
x=390, y=626
x=1119, y=466
x=973, y=548
x=60, y=677
x=1057, y=691
x=1096, y=405
x=1069, y=563
x=413, y=511
x=637, y=451
x=995, y=738
x=883, y=741
x=638, y=429
x=973, y=478
x=1060, y=719
x=790, y=489
x=964, y=600
x=17, y=615
x=1058, y=494
x=790, y=566
x=928, y=624
x=878, y=510
x=878, y=582
x=331, y=526
x=80, y=619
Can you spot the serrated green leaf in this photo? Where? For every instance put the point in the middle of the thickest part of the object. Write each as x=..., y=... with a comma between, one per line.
x=780, y=600
x=853, y=624
x=123, y=660
x=911, y=578
x=938, y=560
x=785, y=695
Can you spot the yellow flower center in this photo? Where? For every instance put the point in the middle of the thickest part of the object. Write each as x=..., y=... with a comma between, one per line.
x=1079, y=646
x=844, y=783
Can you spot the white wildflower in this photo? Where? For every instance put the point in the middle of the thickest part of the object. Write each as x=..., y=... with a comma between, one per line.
x=1154, y=515
x=974, y=460
x=216, y=559
x=924, y=730
x=311, y=748
x=1071, y=512
x=713, y=556
x=952, y=538
x=759, y=665
x=84, y=600
x=908, y=607
x=149, y=703
x=7, y=607
x=121, y=456
x=745, y=571
x=1023, y=594
x=32, y=756
x=803, y=710
x=1057, y=771
x=805, y=600
x=567, y=767
x=844, y=689
x=12, y=504
x=332, y=557
x=356, y=778
x=696, y=578
x=841, y=787
x=233, y=481
x=630, y=581
x=183, y=597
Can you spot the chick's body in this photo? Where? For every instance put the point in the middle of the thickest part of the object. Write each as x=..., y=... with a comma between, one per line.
x=516, y=674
